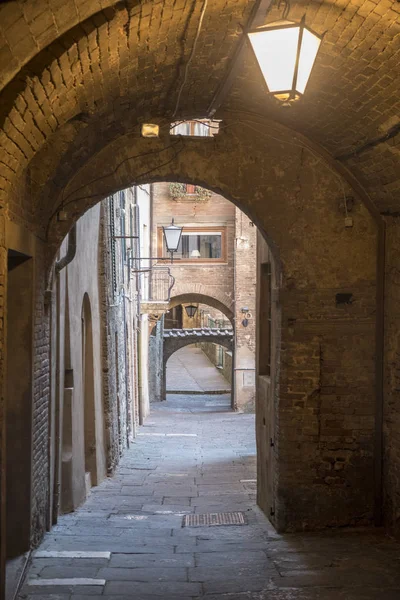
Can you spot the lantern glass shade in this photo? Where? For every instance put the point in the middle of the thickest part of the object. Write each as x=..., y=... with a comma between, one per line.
x=172, y=235
x=191, y=310
x=285, y=52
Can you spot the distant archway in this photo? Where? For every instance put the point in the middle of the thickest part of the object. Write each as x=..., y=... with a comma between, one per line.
x=219, y=302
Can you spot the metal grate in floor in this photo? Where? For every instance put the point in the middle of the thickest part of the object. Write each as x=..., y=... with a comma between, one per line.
x=214, y=519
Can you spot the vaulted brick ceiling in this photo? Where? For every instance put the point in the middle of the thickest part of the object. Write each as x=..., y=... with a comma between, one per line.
x=106, y=63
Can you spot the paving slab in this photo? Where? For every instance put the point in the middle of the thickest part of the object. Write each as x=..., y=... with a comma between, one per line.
x=135, y=519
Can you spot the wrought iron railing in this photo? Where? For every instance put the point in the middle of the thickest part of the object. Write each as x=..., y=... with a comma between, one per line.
x=156, y=284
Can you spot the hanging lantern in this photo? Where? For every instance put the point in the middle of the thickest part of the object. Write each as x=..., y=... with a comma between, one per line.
x=285, y=52
x=191, y=310
x=172, y=236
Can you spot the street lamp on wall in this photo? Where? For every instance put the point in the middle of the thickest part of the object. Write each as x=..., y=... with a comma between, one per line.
x=285, y=52
x=172, y=236
x=191, y=310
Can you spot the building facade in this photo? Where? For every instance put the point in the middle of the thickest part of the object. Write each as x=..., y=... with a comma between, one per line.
x=214, y=270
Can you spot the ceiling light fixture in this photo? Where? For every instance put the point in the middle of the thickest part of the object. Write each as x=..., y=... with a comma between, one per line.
x=191, y=310
x=172, y=236
x=285, y=52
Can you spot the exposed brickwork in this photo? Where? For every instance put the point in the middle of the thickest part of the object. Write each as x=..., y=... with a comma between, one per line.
x=40, y=409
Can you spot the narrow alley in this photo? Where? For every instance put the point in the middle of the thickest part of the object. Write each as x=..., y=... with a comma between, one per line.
x=184, y=368
x=194, y=456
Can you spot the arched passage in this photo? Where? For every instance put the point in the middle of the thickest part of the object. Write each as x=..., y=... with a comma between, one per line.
x=88, y=386
x=202, y=368
x=314, y=258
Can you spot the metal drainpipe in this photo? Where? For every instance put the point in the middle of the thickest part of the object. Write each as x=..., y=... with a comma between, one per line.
x=71, y=251
x=60, y=264
x=138, y=329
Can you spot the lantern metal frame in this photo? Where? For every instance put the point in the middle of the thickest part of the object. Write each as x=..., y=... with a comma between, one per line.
x=192, y=312
x=169, y=227
x=293, y=94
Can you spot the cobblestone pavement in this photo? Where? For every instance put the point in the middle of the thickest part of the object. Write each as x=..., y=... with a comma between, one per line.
x=190, y=370
x=195, y=456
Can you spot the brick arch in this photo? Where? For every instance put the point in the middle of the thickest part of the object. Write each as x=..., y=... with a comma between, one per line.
x=204, y=294
x=293, y=195
x=66, y=74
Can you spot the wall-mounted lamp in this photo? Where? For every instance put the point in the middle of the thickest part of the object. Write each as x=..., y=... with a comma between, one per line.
x=285, y=52
x=172, y=236
x=191, y=310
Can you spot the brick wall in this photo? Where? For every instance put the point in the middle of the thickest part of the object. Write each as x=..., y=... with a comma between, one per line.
x=40, y=409
x=211, y=279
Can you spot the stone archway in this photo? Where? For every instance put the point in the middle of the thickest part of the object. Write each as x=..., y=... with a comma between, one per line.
x=172, y=344
x=314, y=258
x=202, y=293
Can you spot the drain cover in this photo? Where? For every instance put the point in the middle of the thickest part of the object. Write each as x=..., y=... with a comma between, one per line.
x=213, y=519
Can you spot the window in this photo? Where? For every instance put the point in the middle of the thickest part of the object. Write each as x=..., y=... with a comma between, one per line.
x=199, y=245
x=199, y=128
x=190, y=188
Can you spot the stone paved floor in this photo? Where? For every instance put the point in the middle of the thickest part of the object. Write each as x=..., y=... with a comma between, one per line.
x=136, y=519
x=190, y=370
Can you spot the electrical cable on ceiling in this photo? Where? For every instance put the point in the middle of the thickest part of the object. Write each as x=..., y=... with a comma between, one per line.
x=286, y=8
x=200, y=23
x=64, y=204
